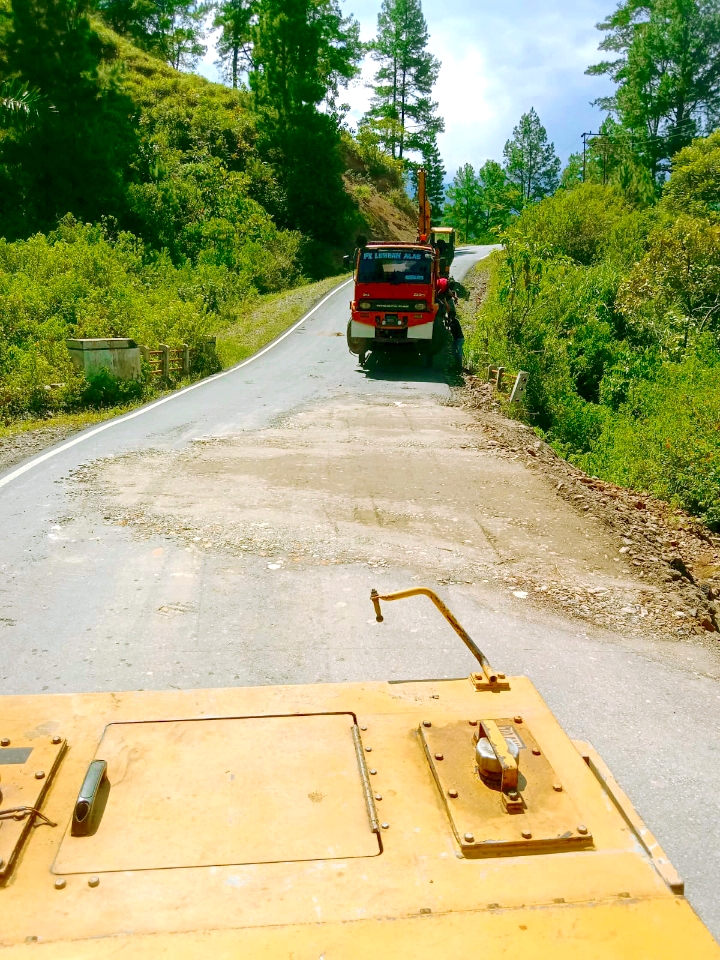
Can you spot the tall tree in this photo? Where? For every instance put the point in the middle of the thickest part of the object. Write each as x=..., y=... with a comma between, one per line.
x=531, y=164
x=435, y=169
x=304, y=52
x=463, y=210
x=496, y=195
x=74, y=154
x=666, y=70
x=402, y=108
x=235, y=19
x=170, y=29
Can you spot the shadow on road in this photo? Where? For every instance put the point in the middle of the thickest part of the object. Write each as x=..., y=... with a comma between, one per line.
x=406, y=366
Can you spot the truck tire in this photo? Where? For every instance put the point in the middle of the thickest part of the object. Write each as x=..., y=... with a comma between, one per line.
x=355, y=344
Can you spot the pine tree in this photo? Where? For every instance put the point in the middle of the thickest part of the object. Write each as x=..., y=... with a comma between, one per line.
x=463, y=209
x=496, y=196
x=402, y=109
x=531, y=164
x=667, y=70
x=304, y=51
x=172, y=30
x=435, y=169
x=235, y=19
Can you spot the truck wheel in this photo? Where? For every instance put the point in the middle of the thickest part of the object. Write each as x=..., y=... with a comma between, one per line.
x=354, y=343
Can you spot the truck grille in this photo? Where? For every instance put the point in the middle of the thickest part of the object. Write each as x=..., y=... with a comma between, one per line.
x=396, y=306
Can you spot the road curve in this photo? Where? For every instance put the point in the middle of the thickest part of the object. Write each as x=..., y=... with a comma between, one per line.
x=88, y=604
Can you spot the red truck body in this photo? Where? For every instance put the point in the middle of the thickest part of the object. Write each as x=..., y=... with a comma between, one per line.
x=394, y=299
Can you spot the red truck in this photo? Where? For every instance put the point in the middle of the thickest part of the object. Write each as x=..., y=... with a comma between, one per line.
x=394, y=301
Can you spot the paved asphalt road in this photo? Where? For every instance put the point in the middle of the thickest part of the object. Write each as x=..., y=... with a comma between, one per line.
x=78, y=597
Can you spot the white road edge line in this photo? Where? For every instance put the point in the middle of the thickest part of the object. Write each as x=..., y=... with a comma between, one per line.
x=178, y=393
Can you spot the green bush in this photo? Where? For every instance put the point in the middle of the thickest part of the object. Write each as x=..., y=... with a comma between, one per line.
x=665, y=438
x=615, y=313
x=77, y=282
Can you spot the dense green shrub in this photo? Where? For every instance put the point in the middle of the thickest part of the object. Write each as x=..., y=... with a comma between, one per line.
x=615, y=313
x=80, y=282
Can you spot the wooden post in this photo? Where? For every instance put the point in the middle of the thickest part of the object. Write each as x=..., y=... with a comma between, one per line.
x=500, y=372
x=145, y=354
x=165, y=360
x=518, y=391
x=491, y=371
x=186, y=359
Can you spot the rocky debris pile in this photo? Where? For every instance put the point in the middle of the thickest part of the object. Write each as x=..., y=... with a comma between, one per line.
x=675, y=557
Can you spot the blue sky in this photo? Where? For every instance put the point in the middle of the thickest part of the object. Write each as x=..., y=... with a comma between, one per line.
x=499, y=59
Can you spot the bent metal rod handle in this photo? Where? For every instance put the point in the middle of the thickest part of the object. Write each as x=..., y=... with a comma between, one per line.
x=449, y=616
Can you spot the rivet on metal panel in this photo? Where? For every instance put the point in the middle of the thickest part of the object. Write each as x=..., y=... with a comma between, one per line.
x=5, y=742
x=373, y=772
x=513, y=794
x=518, y=719
x=469, y=837
x=57, y=740
x=363, y=728
x=536, y=752
x=438, y=756
x=385, y=826
x=453, y=793
x=378, y=796
x=93, y=881
x=473, y=723
x=60, y=883
x=526, y=835
x=558, y=899
x=557, y=787
x=39, y=774
x=368, y=749
x=427, y=723
x=493, y=906
x=582, y=828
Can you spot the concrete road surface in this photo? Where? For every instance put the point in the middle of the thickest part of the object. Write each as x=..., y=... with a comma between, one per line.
x=230, y=534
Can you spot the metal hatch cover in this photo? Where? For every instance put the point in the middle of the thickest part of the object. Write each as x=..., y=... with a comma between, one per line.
x=543, y=818
x=196, y=793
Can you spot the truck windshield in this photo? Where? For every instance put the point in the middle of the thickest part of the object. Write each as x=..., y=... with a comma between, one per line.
x=395, y=266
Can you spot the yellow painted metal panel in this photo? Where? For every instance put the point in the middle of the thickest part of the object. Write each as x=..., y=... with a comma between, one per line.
x=420, y=898
x=649, y=930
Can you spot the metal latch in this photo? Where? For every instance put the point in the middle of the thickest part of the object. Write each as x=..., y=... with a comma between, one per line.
x=499, y=789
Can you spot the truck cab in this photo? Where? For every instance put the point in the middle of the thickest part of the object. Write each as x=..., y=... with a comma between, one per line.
x=394, y=299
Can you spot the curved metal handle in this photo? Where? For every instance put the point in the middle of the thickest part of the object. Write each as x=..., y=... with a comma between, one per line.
x=491, y=674
x=82, y=821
